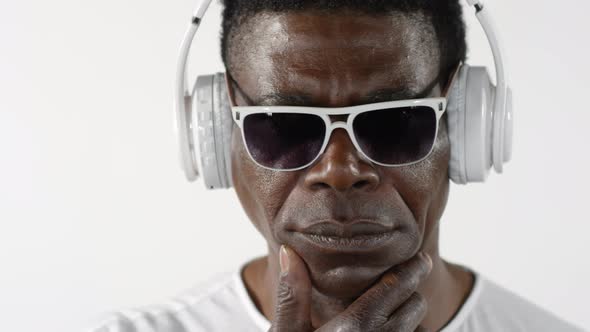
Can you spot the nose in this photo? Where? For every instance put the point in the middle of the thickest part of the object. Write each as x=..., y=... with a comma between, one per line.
x=342, y=167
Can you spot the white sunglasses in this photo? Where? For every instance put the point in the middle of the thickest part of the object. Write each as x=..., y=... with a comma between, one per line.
x=290, y=138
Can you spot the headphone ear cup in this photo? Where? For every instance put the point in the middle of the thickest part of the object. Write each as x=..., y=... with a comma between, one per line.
x=470, y=120
x=456, y=126
x=508, y=127
x=185, y=139
x=479, y=115
x=211, y=130
x=222, y=107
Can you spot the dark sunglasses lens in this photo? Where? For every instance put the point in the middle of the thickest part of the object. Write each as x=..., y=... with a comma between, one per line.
x=284, y=140
x=396, y=136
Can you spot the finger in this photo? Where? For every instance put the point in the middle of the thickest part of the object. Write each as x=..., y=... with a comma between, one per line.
x=422, y=329
x=393, y=289
x=292, y=313
x=409, y=315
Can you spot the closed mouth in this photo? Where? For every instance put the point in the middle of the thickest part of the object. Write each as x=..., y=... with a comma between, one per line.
x=356, y=240
x=354, y=230
x=352, y=243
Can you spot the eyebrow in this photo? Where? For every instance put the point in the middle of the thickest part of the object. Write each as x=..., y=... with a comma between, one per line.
x=278, y=98
x=392, y=94
x=377, y=96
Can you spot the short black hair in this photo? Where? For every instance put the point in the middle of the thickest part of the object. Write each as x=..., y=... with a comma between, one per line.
x=445, y=16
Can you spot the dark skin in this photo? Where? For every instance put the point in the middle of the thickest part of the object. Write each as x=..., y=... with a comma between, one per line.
x=344, y=59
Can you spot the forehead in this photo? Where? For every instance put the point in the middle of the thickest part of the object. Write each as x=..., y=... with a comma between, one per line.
x=331, y=55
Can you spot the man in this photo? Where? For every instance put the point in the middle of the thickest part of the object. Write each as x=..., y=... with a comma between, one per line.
x=353, y=245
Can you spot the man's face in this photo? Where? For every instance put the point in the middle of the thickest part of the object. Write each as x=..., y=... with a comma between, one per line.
x=335, y=60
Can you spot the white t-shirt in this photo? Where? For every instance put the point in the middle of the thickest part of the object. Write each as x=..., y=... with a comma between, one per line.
x=223, y=304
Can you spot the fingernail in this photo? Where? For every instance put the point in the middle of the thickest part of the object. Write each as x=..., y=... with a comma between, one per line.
x=284, y=259
x=427, y=258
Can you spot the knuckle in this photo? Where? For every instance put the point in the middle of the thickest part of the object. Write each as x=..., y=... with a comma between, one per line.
x=341, y=326
x=400, y=283
x=420, y=302
x=412, y=279
x=355, y=318
x=401, y=323
x=286, y=296
x=394, y=325
x=425, y=268
x=391, y=280
x=365, y=320
x=355, y=323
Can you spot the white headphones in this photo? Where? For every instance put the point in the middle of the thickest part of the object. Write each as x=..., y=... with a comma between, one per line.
x=479, y=116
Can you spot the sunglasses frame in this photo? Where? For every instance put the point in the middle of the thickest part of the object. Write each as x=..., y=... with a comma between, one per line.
x=437, y=104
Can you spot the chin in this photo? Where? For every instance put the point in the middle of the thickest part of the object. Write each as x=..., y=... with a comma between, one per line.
x=348, y=272
x=345, y=282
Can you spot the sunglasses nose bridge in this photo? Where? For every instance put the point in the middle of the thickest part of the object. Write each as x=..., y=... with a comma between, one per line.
x=341, y=166
x=336, y=125
x=349, y=131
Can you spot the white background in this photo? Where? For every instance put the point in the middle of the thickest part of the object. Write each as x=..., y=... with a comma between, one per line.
x=95, y=214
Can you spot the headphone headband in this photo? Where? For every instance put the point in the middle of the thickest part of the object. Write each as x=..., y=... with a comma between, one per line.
x=501, y=108
x=201, y=8
x=501, y=84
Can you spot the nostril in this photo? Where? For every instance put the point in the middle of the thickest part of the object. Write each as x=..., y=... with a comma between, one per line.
x=319, y=186
x=360, y=184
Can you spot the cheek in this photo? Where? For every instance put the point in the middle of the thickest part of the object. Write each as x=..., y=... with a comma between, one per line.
x=424, y=186
x=261, y=192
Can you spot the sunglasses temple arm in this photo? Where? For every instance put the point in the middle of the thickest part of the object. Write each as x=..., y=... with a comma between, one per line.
x=452, y=79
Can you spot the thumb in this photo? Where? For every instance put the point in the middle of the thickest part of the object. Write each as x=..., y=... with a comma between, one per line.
x=292, y=312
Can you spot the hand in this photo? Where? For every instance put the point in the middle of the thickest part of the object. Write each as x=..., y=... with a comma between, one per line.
x=391, y=304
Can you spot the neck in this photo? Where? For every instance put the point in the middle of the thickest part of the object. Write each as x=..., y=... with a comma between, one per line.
x=446, y=289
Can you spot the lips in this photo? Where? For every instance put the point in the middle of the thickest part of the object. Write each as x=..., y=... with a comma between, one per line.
x=355, y=236
x=348, y=230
